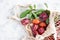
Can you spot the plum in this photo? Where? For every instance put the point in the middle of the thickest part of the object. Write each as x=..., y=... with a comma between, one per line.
x=43, y=16
x=35, y=33
x=36, y=21
x=42, y=24
x=41, y=31
x=25, y=21
x=34, y=27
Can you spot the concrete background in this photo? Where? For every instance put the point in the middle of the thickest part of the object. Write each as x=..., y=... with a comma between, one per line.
x=11, y=30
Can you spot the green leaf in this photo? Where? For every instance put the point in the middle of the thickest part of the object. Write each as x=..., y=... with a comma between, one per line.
x=39, y=11
x=30, y=15
x=34, y=6
x=47, y=21
x=46, y=5
x=30, y=7
x=23, y=14
x=48, y=12
x=34, y=15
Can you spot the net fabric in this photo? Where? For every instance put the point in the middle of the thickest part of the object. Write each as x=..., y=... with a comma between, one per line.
x=57, y=24
x=50, y=30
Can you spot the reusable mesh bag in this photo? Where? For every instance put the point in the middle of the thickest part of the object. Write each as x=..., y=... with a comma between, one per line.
x=57, y=24
x=49, y=31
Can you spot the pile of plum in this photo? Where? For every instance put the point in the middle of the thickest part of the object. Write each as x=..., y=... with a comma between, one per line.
x=39, y=24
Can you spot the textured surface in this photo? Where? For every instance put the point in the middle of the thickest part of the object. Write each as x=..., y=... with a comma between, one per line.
x=11, y=30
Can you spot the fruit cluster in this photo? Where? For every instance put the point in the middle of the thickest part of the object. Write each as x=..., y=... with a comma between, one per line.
x=39, y=24
x=39, y=19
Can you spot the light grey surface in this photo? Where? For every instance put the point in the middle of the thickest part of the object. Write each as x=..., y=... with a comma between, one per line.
x=11, y=30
